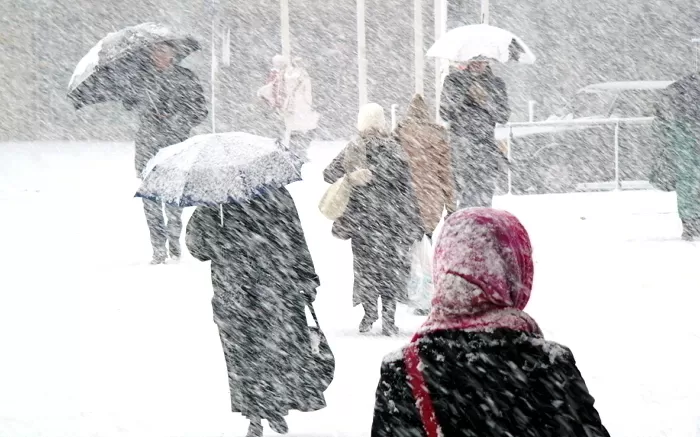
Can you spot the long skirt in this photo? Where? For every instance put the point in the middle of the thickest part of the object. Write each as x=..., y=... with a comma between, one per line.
x=267, y=347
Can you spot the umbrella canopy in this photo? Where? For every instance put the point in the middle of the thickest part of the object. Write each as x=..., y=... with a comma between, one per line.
x=465, y=43
x=111, y=65
x=214, y=169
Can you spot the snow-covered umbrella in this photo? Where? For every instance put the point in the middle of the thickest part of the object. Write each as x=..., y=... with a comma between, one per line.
x=215, y=169
x=465, y=43
x=109, y=68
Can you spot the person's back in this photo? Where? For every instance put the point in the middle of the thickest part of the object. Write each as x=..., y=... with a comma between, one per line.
x=428, y=151
x=480, y=366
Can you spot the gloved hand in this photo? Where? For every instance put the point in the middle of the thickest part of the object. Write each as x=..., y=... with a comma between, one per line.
x=360, y=178
x=309, y=295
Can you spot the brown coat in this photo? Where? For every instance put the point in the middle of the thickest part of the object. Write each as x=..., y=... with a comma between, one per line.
x=428, y=150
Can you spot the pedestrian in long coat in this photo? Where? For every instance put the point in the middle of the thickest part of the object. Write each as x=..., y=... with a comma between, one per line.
x=170, y=102
x=678, y=120
x=480, y=366
x=473, y=101
x=381, y=219
x=262, y=275
x=430, y=159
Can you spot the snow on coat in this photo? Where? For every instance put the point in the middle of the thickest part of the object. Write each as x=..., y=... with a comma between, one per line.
x=260, y=265
x=428, y=151
x=485, y=368
x=382, y=217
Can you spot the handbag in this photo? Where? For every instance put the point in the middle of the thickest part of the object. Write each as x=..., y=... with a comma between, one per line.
x=322, y=367
x=335, y=201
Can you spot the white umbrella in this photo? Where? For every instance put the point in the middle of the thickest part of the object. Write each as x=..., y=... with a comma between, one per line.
x=464, y=43
x=214, y=169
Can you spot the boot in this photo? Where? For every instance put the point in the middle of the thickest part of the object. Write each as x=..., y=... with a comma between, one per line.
x=421, y=312
x=690, y=229
x=278, y=425
x=255, y=429
x=390, y=329
x=366, y=325
x=159, y=257
x=175, y=250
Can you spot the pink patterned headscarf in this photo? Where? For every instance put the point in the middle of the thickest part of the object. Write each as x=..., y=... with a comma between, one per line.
x=483, y=273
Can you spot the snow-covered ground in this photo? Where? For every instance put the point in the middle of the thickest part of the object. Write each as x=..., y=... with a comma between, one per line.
x=96, y=342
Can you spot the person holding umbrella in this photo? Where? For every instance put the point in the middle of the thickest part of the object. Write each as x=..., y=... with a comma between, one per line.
x=262, y=274
x=170, y=102
x=473, y=101
x=138, y=66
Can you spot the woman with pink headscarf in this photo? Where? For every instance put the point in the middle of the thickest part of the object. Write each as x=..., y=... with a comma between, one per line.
x=480, y=366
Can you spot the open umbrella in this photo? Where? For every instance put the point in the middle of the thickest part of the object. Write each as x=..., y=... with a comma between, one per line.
x=215, y=169
x=465, y=43
x=109, y=68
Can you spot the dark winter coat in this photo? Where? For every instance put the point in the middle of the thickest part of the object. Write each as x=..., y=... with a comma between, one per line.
x=382, y=220
x=428, y=150
x=473, y=105
x=678, y=126
x=489, y=384
x=260, y=269
x=171, y=103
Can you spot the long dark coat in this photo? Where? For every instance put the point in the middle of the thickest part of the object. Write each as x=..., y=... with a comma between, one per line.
x=475, y=156
x=170, y=103
x=489, y=384
x=382, y=219
x=678, y=127
x=260, y=265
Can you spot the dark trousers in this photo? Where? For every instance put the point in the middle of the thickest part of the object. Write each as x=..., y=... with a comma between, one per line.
x=388, y=311
x=161, y=231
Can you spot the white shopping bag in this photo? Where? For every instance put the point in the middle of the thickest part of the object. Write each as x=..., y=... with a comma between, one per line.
x=420, y=286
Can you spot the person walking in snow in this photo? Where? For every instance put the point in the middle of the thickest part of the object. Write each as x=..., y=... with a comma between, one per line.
x=381, y=218
x=288, y=90
x=678, y=126
x=428, y=150
x=426, y=145
x=171, y=102
x=473, y=101
x=263, y=276
x=479, y=366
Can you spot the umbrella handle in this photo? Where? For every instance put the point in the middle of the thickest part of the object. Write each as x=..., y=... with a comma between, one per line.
x=221, y=214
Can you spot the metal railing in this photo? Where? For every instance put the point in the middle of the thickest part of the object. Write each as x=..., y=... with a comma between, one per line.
x=617, y=122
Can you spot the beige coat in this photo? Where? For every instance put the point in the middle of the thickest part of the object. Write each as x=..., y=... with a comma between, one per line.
x=429, y=154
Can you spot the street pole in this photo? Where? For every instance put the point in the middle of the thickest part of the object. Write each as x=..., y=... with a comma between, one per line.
x=213, y=75
x=419, y=60
x=485, y=12
x=284, y=27
x=361, y=52
x=437, y=7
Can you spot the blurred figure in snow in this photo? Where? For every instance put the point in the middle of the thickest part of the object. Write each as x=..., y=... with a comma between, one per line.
x=263, y=276
x=170, y=101
x=381, y=218
x=677, y=165
x=426, y=145
x=288, y=90
x=479, y=366
x=473, y=101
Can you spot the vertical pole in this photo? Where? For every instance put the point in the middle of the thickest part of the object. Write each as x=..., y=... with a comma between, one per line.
x=419, y=60
x=284, y=28
x=485, y=12
x=213, y=75
x=394, y=121
x=617, y=156
x=510, y=156
x=361, y=52
x=531, y=110
x=438, y=79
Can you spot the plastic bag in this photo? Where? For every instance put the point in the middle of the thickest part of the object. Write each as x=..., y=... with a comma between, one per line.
x=420, y=286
